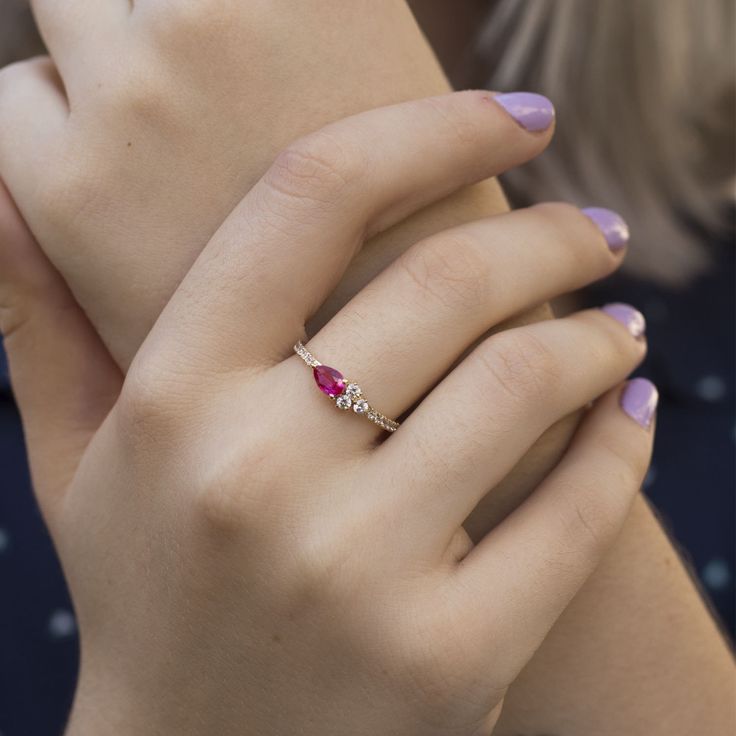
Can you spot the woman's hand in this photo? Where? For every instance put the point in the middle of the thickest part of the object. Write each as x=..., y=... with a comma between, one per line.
x=246, y=558
x=151, y=120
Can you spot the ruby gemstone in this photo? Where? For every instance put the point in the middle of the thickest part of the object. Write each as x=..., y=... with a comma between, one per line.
x=330, y=381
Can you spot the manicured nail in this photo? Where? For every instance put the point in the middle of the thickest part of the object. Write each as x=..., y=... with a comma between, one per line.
x=533, y=112
x=639, y=400
x=632, y=319
x=611, y=224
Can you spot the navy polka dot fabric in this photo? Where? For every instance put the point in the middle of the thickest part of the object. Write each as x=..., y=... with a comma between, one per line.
x=691, y=482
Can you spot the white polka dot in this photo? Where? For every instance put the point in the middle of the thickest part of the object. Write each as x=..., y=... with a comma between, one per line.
x=4, y=544
x=62, y=624
x=651, y=476
x=711, y=388
x=716, y=574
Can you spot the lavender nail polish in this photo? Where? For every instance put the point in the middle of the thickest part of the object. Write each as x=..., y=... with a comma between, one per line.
x=533, y=112
x=611, y=224
x=639, y=400
x=632, y=319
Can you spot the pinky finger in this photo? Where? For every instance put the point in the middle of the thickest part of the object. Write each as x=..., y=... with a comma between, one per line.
x=542, y=554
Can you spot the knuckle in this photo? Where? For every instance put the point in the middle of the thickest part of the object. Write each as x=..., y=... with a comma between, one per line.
x=224, y=500
x=315, y=170
x=324, y=554
x=448, y=269
x=521, y=366
x=141, y=92
x=320, y=569
x=148, y=407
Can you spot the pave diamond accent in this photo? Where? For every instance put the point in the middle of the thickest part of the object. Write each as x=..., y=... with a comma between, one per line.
x=306, y=356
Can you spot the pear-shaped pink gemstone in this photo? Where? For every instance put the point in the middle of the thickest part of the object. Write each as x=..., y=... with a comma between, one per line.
x=330, y=381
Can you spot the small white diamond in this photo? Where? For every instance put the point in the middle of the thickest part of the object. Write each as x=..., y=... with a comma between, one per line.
x=360, y=407
x=343, y=402
x=353, y=390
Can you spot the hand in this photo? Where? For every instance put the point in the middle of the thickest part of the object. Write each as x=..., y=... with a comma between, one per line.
x=154, y=118
x=243, y=557
x=123, y=223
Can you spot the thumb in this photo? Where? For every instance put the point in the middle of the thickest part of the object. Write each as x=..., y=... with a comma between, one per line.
x=63, y=379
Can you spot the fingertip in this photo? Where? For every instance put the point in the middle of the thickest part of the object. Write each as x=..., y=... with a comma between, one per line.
x=615, y=422
x=638, y=400
x=612, y=226
x=630, y=317
x=535, y=113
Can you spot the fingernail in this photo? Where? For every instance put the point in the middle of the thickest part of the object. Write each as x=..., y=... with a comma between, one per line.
x=639, y=400
x=611, y=224
x=533, y=112
x=632, y=319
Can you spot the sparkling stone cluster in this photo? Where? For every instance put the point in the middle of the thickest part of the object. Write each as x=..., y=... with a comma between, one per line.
x=352, y=398
x=345, y=394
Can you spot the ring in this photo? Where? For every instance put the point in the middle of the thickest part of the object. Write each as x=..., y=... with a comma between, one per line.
x=346, y=394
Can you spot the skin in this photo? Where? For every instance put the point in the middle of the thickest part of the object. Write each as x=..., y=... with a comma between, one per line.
x=85, y=193
x=311, y=596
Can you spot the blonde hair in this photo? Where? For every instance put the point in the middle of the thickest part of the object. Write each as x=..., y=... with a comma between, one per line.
x=644, y=91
